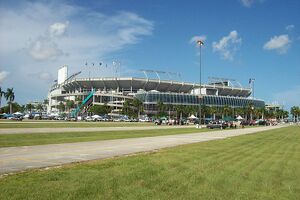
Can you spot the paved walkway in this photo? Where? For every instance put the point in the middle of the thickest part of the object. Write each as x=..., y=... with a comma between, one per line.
x=83, y=129
x=27, y=157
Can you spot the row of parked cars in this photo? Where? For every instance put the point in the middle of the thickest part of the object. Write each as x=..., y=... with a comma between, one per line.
x=234, y=124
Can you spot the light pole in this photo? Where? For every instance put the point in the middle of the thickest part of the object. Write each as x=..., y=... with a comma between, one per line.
x=200, y=43
x=251, y=81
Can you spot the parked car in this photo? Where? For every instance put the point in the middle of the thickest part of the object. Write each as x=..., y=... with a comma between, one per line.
x=89, y=119
x=158, y=122
x=16, y=118
x=217, y=124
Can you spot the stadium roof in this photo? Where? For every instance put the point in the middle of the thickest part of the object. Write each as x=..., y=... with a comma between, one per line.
x=134, y=84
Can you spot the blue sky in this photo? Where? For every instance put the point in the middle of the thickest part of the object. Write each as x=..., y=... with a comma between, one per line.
x=243, y=39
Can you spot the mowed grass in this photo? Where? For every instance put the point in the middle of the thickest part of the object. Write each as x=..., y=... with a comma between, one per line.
x=12, y=140
x=64, y=124
x=258, y=166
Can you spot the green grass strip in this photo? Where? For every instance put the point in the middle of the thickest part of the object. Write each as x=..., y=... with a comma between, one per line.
x=12, y=140
x=58, y=124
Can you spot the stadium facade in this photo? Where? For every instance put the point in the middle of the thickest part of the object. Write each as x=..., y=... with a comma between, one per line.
x=114, y=91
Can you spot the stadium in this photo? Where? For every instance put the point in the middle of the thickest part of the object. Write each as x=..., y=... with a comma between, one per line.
x=114, y=91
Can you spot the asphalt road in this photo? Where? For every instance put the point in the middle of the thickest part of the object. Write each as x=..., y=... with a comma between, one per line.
x=14, y=159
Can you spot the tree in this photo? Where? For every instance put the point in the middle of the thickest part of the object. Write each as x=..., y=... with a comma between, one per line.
x=213, y=111
x=161, y=107
x=100, y=109
x=205, y=110
x=226, y=110
x=70, y=104
x=15, y=106
x=78, y=100
x=128, y=108
x=61, y=107
x=138, y=105
x=295, y=111
x=46, y=101
x=10, y=97
x=39, y=107
x=29, y=107
x=2, y=93
x=260, y=112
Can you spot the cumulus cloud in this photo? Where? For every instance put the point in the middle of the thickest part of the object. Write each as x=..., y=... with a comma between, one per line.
x=228, y=45
x=290, y=27
x=279, y=43
x=247, y=3
x=3, y=76
x=45, y=36
x=43, y=48
x=58, y=29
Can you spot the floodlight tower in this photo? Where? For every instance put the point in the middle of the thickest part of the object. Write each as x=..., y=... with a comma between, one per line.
x=200, y=43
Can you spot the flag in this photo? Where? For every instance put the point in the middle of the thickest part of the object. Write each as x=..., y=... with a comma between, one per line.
x=250, y=80
x=100, y=63
x=86, y=63
x=93, y=64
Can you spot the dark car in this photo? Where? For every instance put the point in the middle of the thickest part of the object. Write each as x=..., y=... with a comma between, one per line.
x=217, y=124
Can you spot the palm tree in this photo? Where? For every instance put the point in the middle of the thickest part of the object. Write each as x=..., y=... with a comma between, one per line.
x=226, y=110
x=39, y=107
x=138, y=105
x=161, y=108
x=260, y=112
x=204, y=110
x=10, y=97
x=181, y=110
x=2, y=93
x=126, y=110
x=295, y=111
x=213, y=111
x=70, y=104
x=46, y=101
x=29, y=107
x=61, y=107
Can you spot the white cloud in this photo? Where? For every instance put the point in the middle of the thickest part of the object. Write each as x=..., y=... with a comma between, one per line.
x=290, y=27
x=46, y=35
x=3, y=76
x=58, y=29
x=195, y=38
x=228, y=45
x=43, y=48
x=279, y=43
x=247, y=3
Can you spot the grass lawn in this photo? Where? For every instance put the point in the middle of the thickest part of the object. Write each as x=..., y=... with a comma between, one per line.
x=64, y=124
x=11, y=140
x=257, y=166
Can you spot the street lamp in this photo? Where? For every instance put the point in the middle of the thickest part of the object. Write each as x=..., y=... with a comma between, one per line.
x=200, y=43
x=251, y=82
